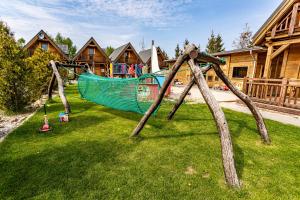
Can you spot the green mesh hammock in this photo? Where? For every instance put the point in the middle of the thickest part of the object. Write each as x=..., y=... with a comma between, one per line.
x=128, y=94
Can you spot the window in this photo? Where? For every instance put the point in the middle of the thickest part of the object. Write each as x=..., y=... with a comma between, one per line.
x=126, y=55
x=210, y=78
x=45, y=46
x=91, y=53
x=239, y=72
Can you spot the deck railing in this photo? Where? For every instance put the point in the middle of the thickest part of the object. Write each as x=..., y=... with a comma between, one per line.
x=276, y=92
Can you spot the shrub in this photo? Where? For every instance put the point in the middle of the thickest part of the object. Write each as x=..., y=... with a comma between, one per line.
x=13, y=72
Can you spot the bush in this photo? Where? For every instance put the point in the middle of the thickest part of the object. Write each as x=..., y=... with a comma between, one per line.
x=13, y=72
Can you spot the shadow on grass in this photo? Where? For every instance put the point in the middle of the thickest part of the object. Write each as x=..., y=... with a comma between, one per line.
x=65, y=169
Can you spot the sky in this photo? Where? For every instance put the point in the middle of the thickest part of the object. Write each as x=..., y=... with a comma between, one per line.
x=116, y=22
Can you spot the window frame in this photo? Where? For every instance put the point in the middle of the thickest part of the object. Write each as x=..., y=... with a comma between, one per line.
x=235, y=73
x=47, y=46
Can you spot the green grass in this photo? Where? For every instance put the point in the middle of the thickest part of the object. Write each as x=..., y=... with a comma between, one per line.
x=92, y=156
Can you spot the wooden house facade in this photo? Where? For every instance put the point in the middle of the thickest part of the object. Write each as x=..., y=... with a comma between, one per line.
x=122, y=58
x=42, y=40
x=93, y=55
x=269, y=72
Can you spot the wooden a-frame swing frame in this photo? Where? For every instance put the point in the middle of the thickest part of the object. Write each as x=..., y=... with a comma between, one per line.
x=193, y=57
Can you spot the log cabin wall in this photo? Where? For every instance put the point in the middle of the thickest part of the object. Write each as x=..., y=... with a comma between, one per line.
x=281, y=35
x=129, y=57
x=92, y=56
x=39, y=43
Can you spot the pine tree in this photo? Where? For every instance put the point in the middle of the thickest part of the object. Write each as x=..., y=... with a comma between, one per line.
x=215, y=44
x=219, y=44
x=211, y=47
x=244, y=40
x=186, y=42
x=177, y=51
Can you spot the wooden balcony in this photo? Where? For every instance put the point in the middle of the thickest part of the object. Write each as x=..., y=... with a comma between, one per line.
x=277, y=94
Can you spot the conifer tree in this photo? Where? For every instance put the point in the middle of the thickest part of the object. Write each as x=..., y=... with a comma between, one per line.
x=177, y=51
x=215, y=44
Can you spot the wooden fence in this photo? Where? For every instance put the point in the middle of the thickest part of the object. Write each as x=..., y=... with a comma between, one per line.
x=278, y=93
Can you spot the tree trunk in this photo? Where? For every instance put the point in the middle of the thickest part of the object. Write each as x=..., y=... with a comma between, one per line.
x=51, y=85
x=60, y=88
x=184, y=93
x=190, y=51
x=246, y=99
x=219, y=117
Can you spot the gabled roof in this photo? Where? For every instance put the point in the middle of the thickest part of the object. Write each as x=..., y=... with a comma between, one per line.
x=117, y=53
x=36, y=37
x=281, y=10
x=254, y=49
x=146, y=54
x=87, y=44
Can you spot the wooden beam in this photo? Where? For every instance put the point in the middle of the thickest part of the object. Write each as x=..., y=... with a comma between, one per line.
x=279, y=51
x=284, y=63
x=268, y=62
x=273, y=33
x=293, y=19
x=292, y=41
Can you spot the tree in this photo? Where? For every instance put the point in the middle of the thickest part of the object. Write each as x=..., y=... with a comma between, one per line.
x=109, y=50
x=165, y=54
x=13, y=72
x=210, y=47
x=219, y=44
x=21, y=42
x=59, y=39
x=177, y=51
x=245, y=39
x=215, y=43
x=41, y=74
x=186, y=42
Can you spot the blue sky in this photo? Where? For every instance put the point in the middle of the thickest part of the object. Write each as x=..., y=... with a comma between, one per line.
x=116, y=22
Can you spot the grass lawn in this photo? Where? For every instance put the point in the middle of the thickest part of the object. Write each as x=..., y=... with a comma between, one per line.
x=92, y=156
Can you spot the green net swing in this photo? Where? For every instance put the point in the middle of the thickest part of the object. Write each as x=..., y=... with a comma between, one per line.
x=128, y=94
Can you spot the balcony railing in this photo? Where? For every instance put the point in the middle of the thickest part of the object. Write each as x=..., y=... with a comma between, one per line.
x=276, y=92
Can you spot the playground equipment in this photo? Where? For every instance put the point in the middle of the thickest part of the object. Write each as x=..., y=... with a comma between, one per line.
x=128, y=94
x=194, y=59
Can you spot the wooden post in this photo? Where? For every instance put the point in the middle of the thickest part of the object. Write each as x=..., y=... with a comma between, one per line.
x=189, y=52
x=268, y=62
x=184, y=94
x=51, y=85
x=283, y=92
x=226, y=144
x=246, y=99
x=60, y=87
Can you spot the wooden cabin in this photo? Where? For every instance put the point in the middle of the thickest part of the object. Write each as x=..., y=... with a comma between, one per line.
x=146, y=58
x=42, y=40
x=240, y=63
x=184, y=74
x=270, y=71
x=93, y=55
x=123, y=57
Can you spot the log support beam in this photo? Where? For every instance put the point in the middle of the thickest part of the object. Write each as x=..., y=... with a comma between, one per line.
x=222, y=125
x=61, y=91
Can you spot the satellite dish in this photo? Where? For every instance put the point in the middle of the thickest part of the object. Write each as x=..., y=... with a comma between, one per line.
x=41, y=36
